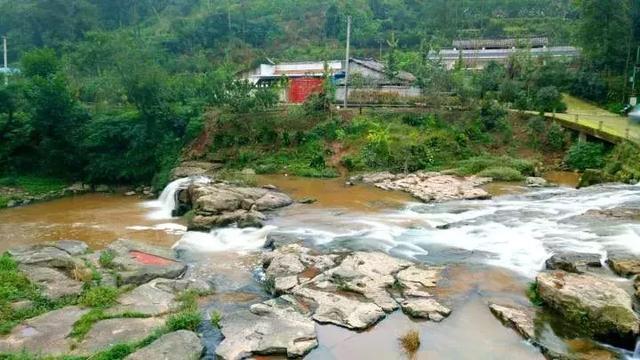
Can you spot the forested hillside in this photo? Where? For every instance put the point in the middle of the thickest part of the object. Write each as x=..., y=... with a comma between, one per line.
x=112, y=90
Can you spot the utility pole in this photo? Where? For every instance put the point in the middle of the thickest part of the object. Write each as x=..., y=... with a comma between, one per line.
x=346, y=73
x=6, y=67
x=634, y=97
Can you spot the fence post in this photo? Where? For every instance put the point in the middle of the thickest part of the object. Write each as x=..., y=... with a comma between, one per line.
x=600, y=125
x=626, y=133
x=577, y=117
x=554, y=114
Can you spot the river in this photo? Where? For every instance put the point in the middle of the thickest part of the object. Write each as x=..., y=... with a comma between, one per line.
x=493, y=249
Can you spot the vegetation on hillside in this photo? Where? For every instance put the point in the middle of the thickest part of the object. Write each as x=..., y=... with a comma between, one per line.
x=112, y=91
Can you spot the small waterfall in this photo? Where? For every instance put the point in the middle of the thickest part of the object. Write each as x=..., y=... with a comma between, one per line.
x=166, y=203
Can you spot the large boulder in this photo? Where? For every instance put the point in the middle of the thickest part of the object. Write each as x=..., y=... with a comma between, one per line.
x=595, y=304
x=221, y=204
x=194, y=168
x=274, y=327
x=179, y=345
x=573, y=262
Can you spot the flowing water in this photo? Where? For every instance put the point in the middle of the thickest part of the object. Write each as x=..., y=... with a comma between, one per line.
x=492, y=248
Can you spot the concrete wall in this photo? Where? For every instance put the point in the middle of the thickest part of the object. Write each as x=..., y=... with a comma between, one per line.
x=406, y=92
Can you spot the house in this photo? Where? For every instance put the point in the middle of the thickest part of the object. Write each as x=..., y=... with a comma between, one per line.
x=477, y=53
x=306, y=78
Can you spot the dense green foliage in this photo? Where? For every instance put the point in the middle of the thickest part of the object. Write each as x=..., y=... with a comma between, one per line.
x=585, y=155
x=112, y=91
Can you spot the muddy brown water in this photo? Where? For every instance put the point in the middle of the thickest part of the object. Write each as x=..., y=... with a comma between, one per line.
x=471, y=332
x=97, y=219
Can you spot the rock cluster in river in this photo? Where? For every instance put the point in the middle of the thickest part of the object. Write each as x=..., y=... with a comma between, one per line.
x=429, y=186
x=217, y=204
x=64, y=268
x=354, y=290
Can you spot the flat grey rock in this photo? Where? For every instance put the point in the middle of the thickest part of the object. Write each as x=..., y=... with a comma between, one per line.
x=107, y=333
x=46, y=334
x=179, y=345
x=53, y=283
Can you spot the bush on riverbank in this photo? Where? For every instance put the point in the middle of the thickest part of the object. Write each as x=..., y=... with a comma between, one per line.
x=585, y=155
x=623, y=164
x=502, y=166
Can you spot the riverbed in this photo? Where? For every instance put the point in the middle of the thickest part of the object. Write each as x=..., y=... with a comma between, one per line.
x=492, y=249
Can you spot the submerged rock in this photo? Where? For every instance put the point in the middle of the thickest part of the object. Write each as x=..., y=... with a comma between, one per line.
x=431, y=186
x=179, y=345
x=622, y=213
x=573, y=262
x=597, y=305
x=536, y=182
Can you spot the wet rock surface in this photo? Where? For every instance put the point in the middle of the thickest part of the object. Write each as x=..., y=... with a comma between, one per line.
x=595, y=304
x=519, y=318
x=573, y=262
x=107, y=333
x=219, y=204
x=429, y=186
x=623, y=263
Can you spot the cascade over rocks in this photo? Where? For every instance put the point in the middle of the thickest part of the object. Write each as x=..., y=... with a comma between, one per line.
x=429, y=186
x=220, y=204
x=596, y=304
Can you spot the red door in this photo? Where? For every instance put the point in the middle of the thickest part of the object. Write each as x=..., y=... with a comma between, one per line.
x=301, y=88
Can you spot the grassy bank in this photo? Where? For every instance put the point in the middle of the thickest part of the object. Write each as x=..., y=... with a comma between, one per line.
x=486, y=141
x=19, y=188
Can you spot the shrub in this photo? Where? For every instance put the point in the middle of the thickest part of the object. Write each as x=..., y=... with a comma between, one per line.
x=585, y=155
x=556, y=137
x=410, y=341
x=477, y=164
x=502, y=173
x=624, y=163
x=549, y=99
x=216, y=317
x=99, y=297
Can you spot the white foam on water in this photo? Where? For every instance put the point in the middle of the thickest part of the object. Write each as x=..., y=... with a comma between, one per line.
x=169, y=228
x=225, y=239
x=517, y=232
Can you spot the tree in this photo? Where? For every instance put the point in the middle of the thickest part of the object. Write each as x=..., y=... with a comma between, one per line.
x=332, y=22
x=604, y=31
x=391, y=69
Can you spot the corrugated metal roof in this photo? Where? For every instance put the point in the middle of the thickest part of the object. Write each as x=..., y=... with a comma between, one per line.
x=379, y=67
x=500, y=43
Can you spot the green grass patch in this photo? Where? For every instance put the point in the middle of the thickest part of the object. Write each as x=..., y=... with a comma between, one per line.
x=106, y=258
x=216, y=318
x=82, y=327
x=99, y=297
x=502, y=173
x=184, y=320
x=34, y=185
x=14, y=286
x=478, y=164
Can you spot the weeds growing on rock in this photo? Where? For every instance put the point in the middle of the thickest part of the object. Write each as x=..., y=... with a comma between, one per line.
x=410, y=342
x=99, y=297
x=533, y=295
x=106, y=259
x=216, y=317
